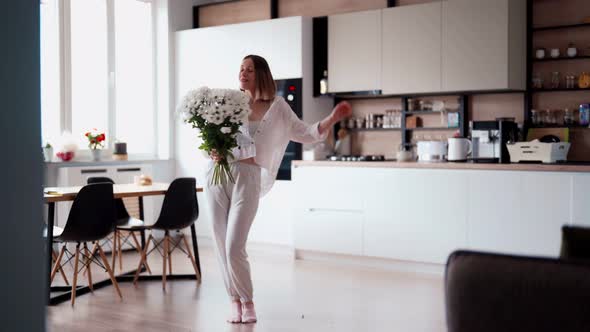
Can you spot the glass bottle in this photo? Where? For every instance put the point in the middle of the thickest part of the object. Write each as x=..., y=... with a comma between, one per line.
x=555, y=80
x=568, y=117
x=535, y=118
x=324, y=83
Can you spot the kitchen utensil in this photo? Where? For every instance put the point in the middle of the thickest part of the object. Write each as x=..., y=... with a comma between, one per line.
x=459, y=148
x=432, y=151
x=404, y=155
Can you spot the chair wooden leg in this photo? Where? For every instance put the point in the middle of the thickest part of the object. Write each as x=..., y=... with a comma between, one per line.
x=164, y=256
x=190, y=255
x=114, y=250
x=58, y=264
x=138, y=248
x=111, y=275
x=169, y=257
x=143, y=258
x=120, y=252
x=88, y=267
x=75, y=282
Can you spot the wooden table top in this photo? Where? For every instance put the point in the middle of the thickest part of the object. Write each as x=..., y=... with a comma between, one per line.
x=63, y=194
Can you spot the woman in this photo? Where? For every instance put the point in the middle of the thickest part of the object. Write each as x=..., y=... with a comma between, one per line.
x=262, y=142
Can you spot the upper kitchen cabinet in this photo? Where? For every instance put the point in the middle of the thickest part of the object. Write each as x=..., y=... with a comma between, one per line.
x=483, y=45
x=411, y=61
x=354, y=51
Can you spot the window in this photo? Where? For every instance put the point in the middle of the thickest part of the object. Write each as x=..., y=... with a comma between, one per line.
x=98, y=71
x=89, y=68
x=50, y=72
x=134, y=75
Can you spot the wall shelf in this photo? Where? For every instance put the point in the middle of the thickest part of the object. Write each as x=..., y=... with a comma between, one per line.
x=559, y=90
x=433, y=128
x=373, y=129
x=559, y=27
x=428, y=112
x=580, y=57
x=560, y=126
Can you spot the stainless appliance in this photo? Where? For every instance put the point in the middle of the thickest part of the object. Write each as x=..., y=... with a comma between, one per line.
x=290, y=90
x=357, y=158
x=492, y=137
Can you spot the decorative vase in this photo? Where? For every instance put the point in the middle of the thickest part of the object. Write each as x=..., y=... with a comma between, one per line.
x=47, y=154
x=95, y=154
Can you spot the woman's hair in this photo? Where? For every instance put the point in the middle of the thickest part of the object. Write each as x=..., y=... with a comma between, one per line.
x=265, y=84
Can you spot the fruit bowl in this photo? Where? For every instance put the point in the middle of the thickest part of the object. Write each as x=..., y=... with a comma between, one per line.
x=65, y=155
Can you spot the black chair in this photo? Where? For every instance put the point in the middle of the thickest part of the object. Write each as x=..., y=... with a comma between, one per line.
x=125, y=224
x=492, y=292
x=179, y=210
x=91, y=218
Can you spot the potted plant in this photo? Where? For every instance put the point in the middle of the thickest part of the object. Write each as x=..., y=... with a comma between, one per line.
x=47, y=152
x=95, y=143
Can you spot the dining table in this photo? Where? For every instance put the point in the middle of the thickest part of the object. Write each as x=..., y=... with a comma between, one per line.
x=53, y=195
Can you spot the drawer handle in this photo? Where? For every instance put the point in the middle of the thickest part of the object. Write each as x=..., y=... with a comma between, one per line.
x=92, y=171
x=131, y=169
x=334, y=210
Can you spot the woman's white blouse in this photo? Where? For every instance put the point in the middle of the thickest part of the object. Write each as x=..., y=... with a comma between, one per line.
x=267, y=145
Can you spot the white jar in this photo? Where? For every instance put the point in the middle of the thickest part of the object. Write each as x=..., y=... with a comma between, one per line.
x=572, y=51
x=555, y=53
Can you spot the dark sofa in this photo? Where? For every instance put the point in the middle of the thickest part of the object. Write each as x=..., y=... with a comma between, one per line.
x=502, y=293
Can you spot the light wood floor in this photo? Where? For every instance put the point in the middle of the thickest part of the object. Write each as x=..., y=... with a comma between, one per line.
x=289, y=295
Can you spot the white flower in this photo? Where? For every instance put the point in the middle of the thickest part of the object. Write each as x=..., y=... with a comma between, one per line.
x=225, y=130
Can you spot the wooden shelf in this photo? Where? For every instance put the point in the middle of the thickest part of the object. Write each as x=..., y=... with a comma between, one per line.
x=559, y=90
x=580, y=57
x=560, y=126
x=559, y=27
x=427, y=112
x=433, y=128
x=374, y=129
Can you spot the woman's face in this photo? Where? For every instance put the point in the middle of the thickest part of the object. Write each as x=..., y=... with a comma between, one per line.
x=247, y=75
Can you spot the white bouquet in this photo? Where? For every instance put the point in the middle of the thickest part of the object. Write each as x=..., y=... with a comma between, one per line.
x=218, y=115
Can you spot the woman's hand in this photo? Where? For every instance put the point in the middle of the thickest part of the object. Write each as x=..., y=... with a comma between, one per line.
x=216, y=158
x=342, y=111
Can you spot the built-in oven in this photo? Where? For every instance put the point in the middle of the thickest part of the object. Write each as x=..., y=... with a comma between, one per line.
x=290, y=90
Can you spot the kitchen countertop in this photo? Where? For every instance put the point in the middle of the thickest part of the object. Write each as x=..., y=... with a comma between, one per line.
x=561, y=167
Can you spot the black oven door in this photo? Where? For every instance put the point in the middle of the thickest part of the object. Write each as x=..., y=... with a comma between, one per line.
x=290, y=90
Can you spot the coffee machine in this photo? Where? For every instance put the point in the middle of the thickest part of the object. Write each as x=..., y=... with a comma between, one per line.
x=491, y=138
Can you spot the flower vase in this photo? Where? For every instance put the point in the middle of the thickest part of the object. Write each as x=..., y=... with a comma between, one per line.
x=47, y=154
x=95, y=154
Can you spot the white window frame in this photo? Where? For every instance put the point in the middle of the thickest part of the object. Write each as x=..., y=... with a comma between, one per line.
x=65, y=73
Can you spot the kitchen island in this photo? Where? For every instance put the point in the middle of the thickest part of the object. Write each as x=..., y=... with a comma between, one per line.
x=421, y=212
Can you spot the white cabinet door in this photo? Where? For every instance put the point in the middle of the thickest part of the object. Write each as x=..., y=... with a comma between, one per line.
x=518, y=212
x=483, y=45
x=416, y=215
x=330, y=230
x=581, y=198
x=354, y=51
x=411, y=42
x=329, y=209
